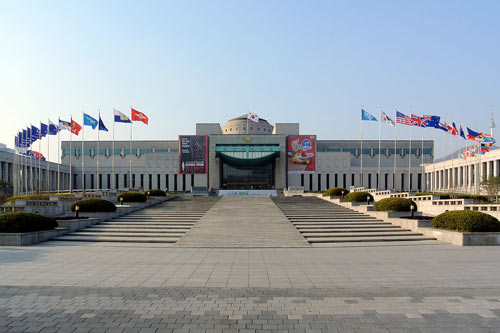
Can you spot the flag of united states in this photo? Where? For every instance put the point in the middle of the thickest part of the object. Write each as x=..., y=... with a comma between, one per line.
x=404, y=119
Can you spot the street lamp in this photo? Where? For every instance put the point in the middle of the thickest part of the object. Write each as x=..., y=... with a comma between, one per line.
x=77, y=210
x=121, y=201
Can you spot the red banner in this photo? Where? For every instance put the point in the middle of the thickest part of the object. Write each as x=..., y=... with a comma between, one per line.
x=301, y=154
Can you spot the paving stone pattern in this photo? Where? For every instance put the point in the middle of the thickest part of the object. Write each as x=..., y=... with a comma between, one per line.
x=69, y=309
x=243, y=222
x=323, y=223
x=163, y=224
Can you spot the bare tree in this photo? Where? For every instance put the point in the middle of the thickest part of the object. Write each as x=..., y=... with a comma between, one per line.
x=492, y=186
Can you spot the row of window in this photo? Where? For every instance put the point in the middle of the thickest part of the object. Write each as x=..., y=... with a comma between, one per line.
x=251, y=129
x=375, y=151
x=117, y=152
x=153, y=182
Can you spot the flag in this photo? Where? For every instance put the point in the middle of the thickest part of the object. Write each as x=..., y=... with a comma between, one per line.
x=253, y=117
x=484, y=148
x=29, y=141
x=454, y=130
x=139, y=116
x=44, y=130
x=89, y=121
x=35, y=134
x=462, y=134
x=53, y=129
x=102, y=127
x=472, y=135
x=367, y=116
x=24, y=140
x=75, y=127
x=120, y=117
x=444, y=126
x=431, y=121
x=64, y=125
x=418, y=121
x=388, y=120
x=401, y=118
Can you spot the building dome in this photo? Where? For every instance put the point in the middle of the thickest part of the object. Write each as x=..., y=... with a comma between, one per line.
x=239, y=125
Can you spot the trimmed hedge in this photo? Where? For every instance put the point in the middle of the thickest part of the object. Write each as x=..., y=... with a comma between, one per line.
x=94, y=205
x=466, y=221
x=393, y=205
x=26, y=222
x=155, y=193
x=132, y=197
x=12, y=200
x=335, y=191
x=358, y=197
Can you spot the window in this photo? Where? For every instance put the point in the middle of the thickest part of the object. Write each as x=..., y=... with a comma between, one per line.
x=125, y=180
x=192, y=180
x=310, y=182
x=327, y=180
x=166, y=181
x=158, y=181
x=369, y=180
x=133, y=181
x=302, y=180
x=319, y=182
x=142, y=180
x=352, y=180
x=175, y=183
x=344, y=176
x=184, y=182
x=117, y=181
x=150, y=181
x=336, y=180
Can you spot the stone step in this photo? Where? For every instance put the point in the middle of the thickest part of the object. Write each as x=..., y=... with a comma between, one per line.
x=149, y=223
x=308, y=235
x=368, y=239
x=124, y=234
x=129, y=230
x=339, y=222
x=306, y=232
x=140, y=226
x=115, y=239
x=345, y=226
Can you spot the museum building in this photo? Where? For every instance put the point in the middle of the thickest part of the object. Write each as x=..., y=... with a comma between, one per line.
x=246, y=155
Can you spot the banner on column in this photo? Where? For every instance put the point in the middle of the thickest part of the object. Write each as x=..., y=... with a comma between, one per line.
x=193, y=154
x=301, y=154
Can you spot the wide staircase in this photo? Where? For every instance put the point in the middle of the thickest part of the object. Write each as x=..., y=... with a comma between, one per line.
x=322, y=222
x=163, y=223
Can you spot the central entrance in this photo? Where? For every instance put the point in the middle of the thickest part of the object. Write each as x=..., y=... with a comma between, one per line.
x=247, y=167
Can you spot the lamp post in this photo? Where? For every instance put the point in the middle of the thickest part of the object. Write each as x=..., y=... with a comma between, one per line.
x=121, y=201
x=77, y=210
x=343, y=194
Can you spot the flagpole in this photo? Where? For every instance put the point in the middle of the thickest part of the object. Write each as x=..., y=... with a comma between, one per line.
x=395, y=149
x=59, y=155
x=83, y=154
x=97, y=161
x=433, y=179
x=130, y=154
x=422, y=178
x=379, y=146
x=409, y=164
x=113, y=181
x=31, y=161
x=40, y=160
x=361, y=151
x=48, y=156
x=70, y=156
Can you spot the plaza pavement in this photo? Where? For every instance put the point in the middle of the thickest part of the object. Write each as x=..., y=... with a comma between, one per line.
x=99, y=287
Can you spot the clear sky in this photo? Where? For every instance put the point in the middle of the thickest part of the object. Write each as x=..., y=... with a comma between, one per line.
x=313, y=62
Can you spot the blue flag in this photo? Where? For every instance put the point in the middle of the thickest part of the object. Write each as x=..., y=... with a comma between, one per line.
x=102, y=127
x=53, y=129
x=24, y=140
x=35, y=134
x=431, y=121
x=89, y=121
x=44, y=130
x=366, y=116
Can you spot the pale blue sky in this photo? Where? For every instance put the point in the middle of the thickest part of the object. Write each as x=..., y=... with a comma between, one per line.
x=313, y=62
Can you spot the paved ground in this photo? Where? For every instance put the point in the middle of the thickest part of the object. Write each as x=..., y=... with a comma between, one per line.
x=369, y=287
x=243, y=222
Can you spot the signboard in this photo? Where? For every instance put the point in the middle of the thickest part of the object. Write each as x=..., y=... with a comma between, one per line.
x=301, y=154
x=193, y=154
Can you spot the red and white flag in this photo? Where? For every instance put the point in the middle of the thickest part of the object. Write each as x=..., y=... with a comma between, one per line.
x=253, y=117
x=139, y=116
x=75, y=127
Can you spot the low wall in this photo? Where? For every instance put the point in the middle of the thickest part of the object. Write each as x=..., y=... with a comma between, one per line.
x=73, y=225
x=29, y=238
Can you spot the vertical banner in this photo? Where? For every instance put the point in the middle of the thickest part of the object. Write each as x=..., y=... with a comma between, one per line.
x=193, y=154
x=301, y=154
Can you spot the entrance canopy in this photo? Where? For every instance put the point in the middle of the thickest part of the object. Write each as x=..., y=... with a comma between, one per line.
x=247, y=154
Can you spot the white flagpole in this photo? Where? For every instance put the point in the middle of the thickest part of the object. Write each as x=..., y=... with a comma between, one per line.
x=83, y=154
x=40, y=160
x=59, y=156
x=31, y=162
x=422, y=177
x=70, y=156
x=379, y=147
x=130, y=152
x=97, y=161
x=113, y=181
x=433, y=178
x=409, y=164
x=395, y=149
x=361, y=152
x=48, y=156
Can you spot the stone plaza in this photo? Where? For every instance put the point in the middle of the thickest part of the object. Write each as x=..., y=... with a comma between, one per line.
x=243, y=266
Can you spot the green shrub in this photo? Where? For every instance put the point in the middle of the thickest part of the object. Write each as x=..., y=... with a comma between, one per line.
x=466, y=221
x=94, y=205
x=335, y=191
x=475, y=197
x=156, y=193
x=26, y=222
x=12, y=200
x=131, y=197
x=393, y=205
x=358, y=197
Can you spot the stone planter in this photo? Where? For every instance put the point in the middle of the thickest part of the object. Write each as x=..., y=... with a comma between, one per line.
x=73, y=225
x=463, y=238
x=29, y=238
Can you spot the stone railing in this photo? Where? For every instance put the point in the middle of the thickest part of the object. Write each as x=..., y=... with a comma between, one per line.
x=400, y=195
